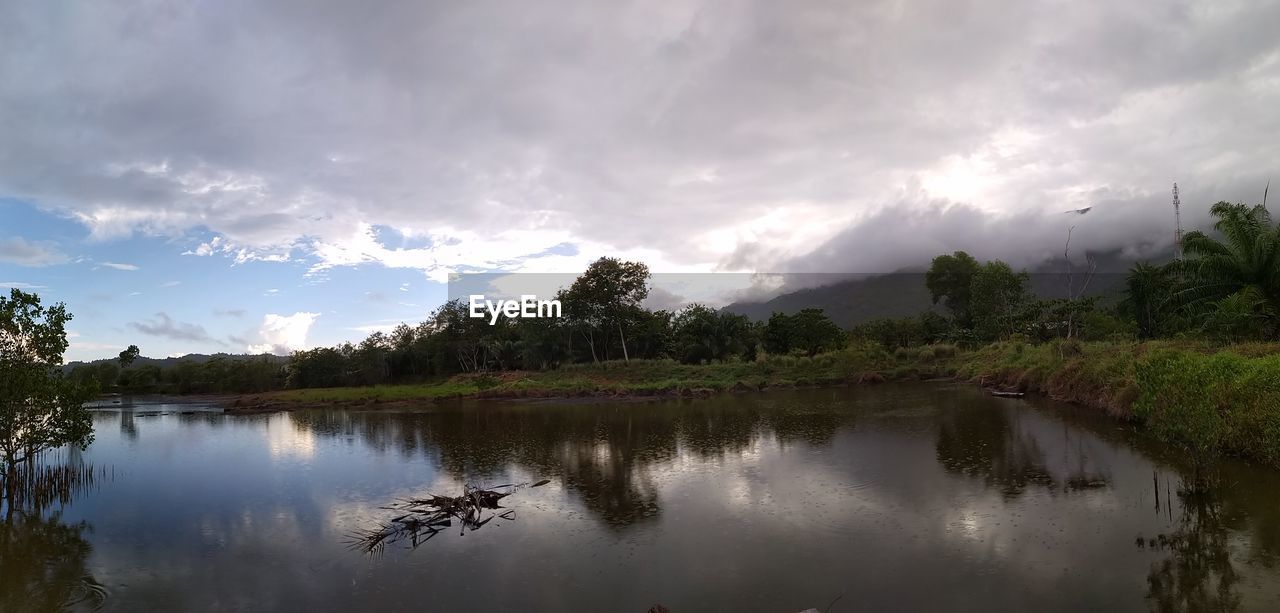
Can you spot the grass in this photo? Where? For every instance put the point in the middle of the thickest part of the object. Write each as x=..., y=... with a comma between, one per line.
x=1204, y=398
x=634, y=378
x=377, y=393
x=1095, y=374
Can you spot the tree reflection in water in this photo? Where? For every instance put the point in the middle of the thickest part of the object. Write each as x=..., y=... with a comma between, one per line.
x=1199, y=574
x=992, y=445
x=42, y=559
x=605, y=455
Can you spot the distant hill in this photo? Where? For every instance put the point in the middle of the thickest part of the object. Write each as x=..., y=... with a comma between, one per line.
x=850, y=302
x=164, y=363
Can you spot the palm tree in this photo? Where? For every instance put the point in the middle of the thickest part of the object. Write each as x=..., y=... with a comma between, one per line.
x=1147, y=293
x=1249, y=257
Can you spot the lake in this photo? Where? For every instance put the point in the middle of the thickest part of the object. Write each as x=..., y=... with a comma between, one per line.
x=881, y=498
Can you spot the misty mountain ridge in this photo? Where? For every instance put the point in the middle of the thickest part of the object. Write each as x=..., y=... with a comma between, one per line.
x=853, y=301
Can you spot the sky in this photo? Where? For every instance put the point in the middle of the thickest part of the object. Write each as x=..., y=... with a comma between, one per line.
x=268, y=176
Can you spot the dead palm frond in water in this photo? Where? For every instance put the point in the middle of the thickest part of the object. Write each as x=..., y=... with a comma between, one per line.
x=424, y=518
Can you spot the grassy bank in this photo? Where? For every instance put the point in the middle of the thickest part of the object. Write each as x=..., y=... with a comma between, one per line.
x=856, y=364
x=1204, y=398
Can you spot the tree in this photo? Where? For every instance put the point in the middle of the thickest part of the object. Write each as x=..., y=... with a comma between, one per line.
x=1248, y=257
x=608, y=294
x=810, y=331
x=1076, y=304
x=128, y=356
x=1147, y=292
x=39, y=408
x=950, y=280
x=778, y=334
x=813, y=332
x=891, y=333
x=1238, y=317
x=997, y=299
x=704, y=335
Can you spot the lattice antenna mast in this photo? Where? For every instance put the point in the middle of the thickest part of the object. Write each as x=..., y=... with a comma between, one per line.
x=1177, y=224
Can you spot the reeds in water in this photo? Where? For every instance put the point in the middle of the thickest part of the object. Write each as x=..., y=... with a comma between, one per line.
x=39, y=486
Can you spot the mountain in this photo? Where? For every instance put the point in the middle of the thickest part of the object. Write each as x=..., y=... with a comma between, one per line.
x=852, y=301
x=849, y=302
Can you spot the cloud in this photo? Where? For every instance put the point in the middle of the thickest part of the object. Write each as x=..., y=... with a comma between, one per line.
x=384, y=327
x=449, y=136
x=21, y=285
x=661, y=298
x=229, y=312
x=164, y=326
x=911, y=230
x=118, y=266
x=171, y=284
x=17, y=250
x=282, y=334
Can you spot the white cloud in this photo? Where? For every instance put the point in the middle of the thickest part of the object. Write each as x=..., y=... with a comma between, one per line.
x=282, y=334
x=383, y=327
x=90, y=350
x=21, y=285
x=119, y=266
x=171, y=284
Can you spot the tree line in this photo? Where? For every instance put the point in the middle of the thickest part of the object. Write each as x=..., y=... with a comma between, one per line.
x=603, y=319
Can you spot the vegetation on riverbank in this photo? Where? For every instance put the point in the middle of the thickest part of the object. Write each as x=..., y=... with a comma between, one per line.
x=861, y=362
x=1202, y=397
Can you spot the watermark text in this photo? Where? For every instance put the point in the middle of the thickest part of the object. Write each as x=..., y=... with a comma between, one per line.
x=528, y=306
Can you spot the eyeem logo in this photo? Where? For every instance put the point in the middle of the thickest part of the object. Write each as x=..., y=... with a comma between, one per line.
x=527, y=306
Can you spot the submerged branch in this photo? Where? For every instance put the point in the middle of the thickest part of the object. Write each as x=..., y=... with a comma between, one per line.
x=423, y=518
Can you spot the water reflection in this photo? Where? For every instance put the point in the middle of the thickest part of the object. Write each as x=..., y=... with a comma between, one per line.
x=43, y=560
x=1199, y=573
x=606, y=455
x=128, y=428
x=870, y=492
x=43, y=564
x=996, y=446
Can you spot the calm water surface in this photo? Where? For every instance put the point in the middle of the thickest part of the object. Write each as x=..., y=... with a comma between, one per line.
x=890, y=498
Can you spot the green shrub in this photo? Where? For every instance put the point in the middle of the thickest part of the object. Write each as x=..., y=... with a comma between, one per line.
x=1212, y=403
x=943, y=350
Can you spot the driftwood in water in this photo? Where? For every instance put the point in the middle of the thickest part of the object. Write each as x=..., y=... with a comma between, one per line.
x=423, y=518
x=1004, y=394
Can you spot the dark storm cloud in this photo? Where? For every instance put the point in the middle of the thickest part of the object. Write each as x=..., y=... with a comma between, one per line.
x=771, y=125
